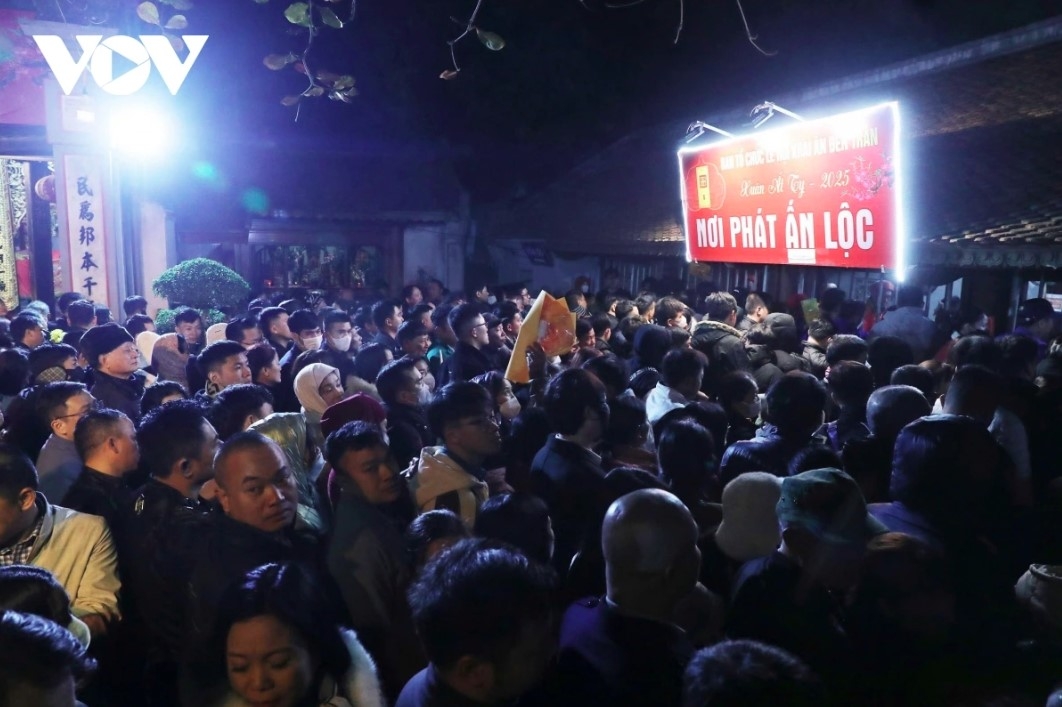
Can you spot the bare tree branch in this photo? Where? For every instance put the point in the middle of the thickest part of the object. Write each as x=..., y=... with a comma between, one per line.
x=748, y=33
x=470, y=27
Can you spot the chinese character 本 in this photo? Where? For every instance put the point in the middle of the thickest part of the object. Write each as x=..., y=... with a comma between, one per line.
x=86, y=211
x=87, y=235
x=83, y=187
x=87, y=263
x=89, y=284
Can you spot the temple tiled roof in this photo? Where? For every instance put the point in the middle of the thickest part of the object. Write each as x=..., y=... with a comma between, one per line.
x=984, y=151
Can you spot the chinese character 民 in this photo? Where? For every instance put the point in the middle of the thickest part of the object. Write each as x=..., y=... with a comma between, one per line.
x=83, y=187
x=86, y=211
x=89, y=284
x=87, y=263
x=87, y=235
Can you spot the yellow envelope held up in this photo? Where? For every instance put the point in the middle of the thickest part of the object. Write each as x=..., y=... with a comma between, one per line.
x=549, y=322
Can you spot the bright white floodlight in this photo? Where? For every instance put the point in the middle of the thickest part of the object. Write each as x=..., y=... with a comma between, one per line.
x=141, y=132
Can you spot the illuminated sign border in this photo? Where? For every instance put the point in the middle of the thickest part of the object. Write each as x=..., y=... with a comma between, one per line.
x=899, y=266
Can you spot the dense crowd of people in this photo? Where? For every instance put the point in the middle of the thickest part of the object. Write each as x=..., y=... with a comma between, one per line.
x=703, y=502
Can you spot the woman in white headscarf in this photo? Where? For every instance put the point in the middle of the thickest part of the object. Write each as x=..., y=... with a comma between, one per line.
x=317, y=386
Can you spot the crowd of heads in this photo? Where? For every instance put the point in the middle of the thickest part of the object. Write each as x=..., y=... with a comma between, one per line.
x=706, y=499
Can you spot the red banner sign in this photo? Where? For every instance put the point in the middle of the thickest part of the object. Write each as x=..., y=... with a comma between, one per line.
x=822, y=192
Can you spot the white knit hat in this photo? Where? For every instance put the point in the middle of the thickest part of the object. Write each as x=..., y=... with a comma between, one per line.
x=215, y=332
x=749, y=528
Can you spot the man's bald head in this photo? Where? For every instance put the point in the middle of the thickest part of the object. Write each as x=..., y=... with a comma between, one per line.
x=649, y=540
x=893, y=407
x=232, y=455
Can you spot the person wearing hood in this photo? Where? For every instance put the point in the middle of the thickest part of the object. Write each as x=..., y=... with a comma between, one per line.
x=317, y=386
x=452, y=476
x=717, y=339
x=113, y=356
x=169, y=358
x=651, y=343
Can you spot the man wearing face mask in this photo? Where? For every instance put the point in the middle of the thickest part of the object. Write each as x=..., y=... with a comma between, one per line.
x=306, y=336
x=341, y=342
x=405, y=396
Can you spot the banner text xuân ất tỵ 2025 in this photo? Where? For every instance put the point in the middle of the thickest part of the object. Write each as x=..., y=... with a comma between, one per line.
x=822, y=192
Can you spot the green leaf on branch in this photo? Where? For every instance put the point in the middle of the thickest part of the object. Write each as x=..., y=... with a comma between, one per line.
x=313, y=92
x=298, y=13
x=448, y=75
x=177, y=22
x=490, y=40
x=290, y=100
x=329, y=18
x=343, y=83
x=276, y=62
x=148, y=12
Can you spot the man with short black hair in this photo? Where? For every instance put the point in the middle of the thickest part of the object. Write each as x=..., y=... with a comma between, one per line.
x=81, y=316
x=484, y=613
x=451, y=477
x=41, y=663
x=239, y=406
x=414, y=339
x=719, y=341
x=62, y=322
x=795, y=411
x=75, y=547
x=387, y=316
x=61, y=404
x=164, y=524
x=245, y=332
x=734, y=673
x=134, y=304
x=405, y=397
x=602, y=325
x=682, y=372
x=367, y=552
x=468, y=360
x=115, y=360
x=820, y=333
x=445, y=339
x=106, y=443
x=567, y=473
x=755, y=311
x=27, y=332
x=223, y=364
x=188, y=323
x=273, y=321
x=671, y=313
x=306, y=335
x=846, y=347
x=511, y=319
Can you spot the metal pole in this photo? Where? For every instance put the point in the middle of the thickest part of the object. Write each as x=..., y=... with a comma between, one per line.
x=1016, y=284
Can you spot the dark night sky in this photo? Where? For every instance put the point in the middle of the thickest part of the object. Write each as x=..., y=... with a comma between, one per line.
x=570, y=80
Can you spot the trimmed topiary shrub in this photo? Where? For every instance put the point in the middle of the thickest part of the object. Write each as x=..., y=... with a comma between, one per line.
x=203, y=284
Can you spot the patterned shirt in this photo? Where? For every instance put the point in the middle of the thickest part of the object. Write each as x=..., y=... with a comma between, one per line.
x=19, y=553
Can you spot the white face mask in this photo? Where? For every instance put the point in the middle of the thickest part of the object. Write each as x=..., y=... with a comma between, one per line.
x=312, y=343
x=424, y=395
x=585, y=288
x=429, y=382
x=342, y=343
x=510, y=408
x=492, y=299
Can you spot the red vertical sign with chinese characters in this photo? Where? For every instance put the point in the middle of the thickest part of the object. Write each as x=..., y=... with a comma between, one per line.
x=83, y=179
x=823, y=192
